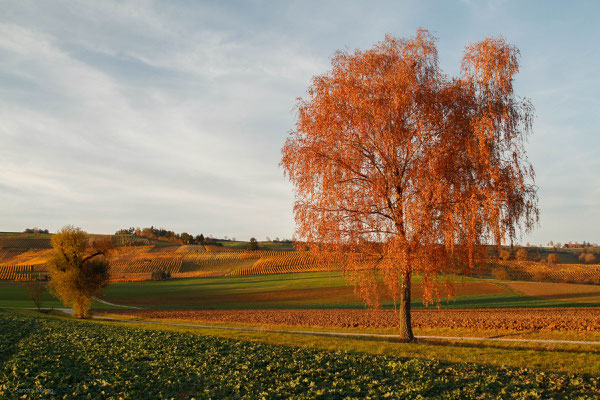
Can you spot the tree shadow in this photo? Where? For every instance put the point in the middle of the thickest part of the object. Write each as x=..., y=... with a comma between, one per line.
x=476, y=344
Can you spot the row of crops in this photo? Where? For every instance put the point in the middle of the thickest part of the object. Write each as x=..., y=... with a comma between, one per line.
x=195, y=261
x=130, y=240
x=19, y=242
x=7, y=255
x=171, y=265
x=282, y=263
x=209, y=264
x=222, y=262
x=540, y=271
x=49, y=358
x=21, y=273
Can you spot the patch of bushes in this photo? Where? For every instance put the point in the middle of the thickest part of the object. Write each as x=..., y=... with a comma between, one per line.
x=553, y=258
x=500, y=273
x=522, y=254
x=588, y=258
x=506, y=255
x=160, y=275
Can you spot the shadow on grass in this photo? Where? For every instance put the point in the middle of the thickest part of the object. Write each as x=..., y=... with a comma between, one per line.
x=475, y=344
x=487, y=345
x=465, y=302
x=13, y=333
x=504, y=301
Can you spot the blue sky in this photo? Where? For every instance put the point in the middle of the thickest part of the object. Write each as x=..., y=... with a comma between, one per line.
x=173, y=114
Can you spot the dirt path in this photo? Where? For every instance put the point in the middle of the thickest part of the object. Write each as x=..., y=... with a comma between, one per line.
x=115, y=305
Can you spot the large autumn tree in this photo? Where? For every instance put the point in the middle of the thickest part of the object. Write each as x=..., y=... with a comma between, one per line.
x=399, y=169
x=78, y=268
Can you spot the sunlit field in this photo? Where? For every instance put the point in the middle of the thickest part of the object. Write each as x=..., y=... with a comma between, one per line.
x=285, y=200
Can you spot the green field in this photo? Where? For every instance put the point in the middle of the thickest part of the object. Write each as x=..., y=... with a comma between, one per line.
x=13, y=295
x=49, y=357
x=300, y=290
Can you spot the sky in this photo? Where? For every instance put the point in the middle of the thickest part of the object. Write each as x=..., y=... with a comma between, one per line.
x=173, y=114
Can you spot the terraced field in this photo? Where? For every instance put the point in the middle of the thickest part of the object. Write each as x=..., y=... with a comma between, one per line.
x=25, y=242
x=21, y=273
x=136, y=263
x=543, y=272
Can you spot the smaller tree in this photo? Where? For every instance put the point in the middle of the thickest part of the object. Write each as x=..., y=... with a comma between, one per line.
x=588, y=258
x=522, y=254
x=160, y=275
x=506, y=255
x=78, y=268
x=35, y=290
x=147, y=232
x=186, y=238
x=253, y=244
x=553, y=258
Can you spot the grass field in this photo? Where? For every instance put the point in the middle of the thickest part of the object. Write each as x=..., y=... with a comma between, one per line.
x=12, y=294
x=558, y=291
x=312, y=290
x=55, y=357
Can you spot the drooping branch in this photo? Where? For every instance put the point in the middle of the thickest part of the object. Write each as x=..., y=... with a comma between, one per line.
x=391, y=155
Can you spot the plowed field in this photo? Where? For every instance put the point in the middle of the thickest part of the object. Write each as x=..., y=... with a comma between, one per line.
x=561, y=319
x=567, y=292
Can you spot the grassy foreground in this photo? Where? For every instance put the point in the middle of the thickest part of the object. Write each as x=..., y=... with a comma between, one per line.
x=49, y=357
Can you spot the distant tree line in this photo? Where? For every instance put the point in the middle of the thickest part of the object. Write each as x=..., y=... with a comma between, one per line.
x=589, y=254
x=36, y=230
x=573, y=245
x=522, y=254
x=168, y=235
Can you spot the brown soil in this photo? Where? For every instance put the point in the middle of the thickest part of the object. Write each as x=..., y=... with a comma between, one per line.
x=562, y=319
x=558, y=291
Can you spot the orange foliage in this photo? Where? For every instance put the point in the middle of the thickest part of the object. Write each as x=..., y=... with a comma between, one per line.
x=396, y=163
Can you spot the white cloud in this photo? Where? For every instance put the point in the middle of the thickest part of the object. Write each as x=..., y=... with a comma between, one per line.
x=136, y=113
x=95, y=144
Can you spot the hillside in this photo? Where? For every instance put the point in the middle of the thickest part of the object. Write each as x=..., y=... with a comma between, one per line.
x=23, y=257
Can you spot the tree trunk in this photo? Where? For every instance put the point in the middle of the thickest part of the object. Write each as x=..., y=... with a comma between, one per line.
x=405, y=322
